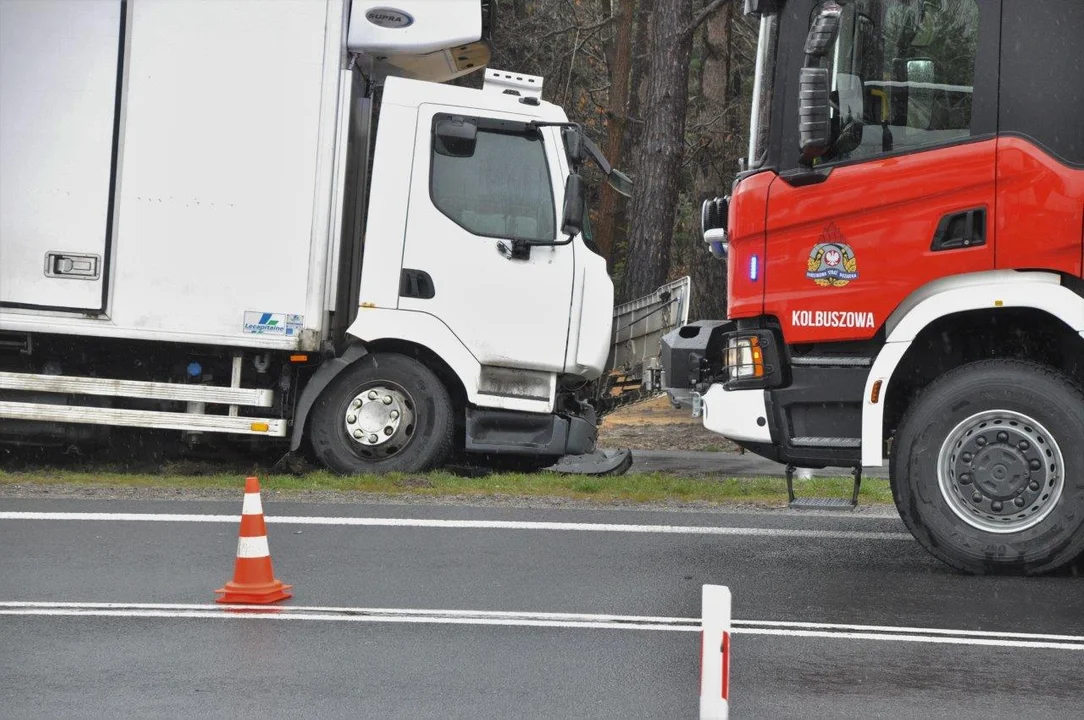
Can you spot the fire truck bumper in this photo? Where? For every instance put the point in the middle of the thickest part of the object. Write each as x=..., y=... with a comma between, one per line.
x=739, y=415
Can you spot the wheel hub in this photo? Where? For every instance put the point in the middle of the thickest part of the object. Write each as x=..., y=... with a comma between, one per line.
x=1000, y=471
x=378, y=416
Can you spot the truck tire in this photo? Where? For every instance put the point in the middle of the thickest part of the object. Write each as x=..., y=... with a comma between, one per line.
x=384, y=413
x=987, y=469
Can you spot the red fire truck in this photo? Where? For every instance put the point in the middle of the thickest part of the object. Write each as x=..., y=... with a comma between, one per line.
x=904, y=249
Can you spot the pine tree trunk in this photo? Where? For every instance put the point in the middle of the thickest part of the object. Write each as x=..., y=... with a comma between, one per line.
x=618, y=119
x=661, y=148
x=715, y=164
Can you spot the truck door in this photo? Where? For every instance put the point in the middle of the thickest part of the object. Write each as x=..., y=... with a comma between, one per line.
x=59, y=85
x=906, y=193
x=510, y=307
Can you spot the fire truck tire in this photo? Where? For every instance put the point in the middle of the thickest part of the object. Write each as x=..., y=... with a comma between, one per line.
x=987, y=469
x=385, y=413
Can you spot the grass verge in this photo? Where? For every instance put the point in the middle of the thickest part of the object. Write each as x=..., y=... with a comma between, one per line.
x=629, y=488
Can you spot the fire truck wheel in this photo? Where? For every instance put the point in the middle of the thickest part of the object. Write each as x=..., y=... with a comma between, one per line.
x=987, y=469
x=384, y=413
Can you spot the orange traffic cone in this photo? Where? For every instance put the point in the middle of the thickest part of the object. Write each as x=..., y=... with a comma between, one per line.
x=253, y=580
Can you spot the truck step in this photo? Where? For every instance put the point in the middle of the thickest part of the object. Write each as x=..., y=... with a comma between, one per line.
x=826, y=442
x=823, y=503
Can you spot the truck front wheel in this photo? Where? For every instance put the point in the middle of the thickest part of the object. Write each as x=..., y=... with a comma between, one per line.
x=988, y=469
x=384, y=413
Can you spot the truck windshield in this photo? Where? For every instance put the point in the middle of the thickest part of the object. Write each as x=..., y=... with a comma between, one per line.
x=763, y=87
x=902, y=73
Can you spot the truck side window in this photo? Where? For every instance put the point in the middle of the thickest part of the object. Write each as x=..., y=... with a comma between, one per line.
x=501, y=190
x=903, y=75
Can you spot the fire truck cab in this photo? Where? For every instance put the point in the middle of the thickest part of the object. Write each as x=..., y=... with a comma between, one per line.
x=904, y=250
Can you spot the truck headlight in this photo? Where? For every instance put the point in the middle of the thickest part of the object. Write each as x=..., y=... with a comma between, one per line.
x=744, y=358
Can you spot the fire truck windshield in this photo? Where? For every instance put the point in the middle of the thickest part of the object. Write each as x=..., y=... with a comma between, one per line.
x=902, y=76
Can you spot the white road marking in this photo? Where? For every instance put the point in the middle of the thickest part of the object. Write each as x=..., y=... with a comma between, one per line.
x=940, y=636
x=468, y=525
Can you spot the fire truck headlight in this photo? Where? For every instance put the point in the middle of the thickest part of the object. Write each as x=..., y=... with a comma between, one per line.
x=744, y=358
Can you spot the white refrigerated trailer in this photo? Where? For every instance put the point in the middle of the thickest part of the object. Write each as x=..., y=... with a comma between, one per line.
x=205, y=227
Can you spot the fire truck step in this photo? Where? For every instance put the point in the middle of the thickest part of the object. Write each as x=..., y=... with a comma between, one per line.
x=820, y=503
x=823, y=503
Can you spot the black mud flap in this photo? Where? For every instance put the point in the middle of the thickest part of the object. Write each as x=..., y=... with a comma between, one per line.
x=600, y=462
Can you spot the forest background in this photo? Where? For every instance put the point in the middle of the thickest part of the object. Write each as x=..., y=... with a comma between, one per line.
x=663, y=87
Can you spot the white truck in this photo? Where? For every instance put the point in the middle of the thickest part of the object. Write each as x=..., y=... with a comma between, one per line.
x=201, y=230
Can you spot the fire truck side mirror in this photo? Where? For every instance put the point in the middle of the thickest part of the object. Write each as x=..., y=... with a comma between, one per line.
x=822, y=35
x=762, y=7
x=814, y=116
x=920, y=71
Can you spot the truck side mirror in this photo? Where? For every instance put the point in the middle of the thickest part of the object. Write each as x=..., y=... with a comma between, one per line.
x=572, y=219
x=713, y=225
x=920, y=71
x=455, y=136
x=814, y=86
x=574, y=146
x=822, y=35
x=620, y=182
x=814, y=116
x=762, y=7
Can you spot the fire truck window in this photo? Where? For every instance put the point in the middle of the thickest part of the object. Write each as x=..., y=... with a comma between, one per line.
x=903, y=75
x=502, y=190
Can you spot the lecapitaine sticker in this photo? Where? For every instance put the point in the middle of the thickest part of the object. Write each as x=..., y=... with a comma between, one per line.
x=266, y=323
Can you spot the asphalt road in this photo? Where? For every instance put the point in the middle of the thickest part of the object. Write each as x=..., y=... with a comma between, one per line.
x=342, y=658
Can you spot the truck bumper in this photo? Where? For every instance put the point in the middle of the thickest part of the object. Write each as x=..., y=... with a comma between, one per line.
x=508, y=432
x=804, y=411
x=740, y=415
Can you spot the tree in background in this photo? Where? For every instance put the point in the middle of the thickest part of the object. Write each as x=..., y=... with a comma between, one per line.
x=659, y=166
x=663, y=87
x=619, y=56
x=717, y=137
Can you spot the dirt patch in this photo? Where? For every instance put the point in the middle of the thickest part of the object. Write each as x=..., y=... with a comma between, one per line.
x=656, y=425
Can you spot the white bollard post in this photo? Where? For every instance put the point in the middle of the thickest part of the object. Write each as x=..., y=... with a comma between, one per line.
x=714, y=652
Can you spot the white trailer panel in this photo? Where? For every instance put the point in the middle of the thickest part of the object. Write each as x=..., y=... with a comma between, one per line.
x=58, y=93
x=219, y=173
x=224, y=172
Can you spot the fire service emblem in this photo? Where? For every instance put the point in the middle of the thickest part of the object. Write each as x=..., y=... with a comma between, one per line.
x=832, y=262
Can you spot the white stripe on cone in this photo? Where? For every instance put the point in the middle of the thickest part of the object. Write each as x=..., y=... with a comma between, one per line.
x=251, y=505
x=715, y=665
x=252, y=547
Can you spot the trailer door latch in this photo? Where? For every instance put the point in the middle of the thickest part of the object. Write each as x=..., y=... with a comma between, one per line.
x=69, y=265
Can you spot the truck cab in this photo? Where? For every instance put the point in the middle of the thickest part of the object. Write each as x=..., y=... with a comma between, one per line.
x=281, y=221
x=904, y=249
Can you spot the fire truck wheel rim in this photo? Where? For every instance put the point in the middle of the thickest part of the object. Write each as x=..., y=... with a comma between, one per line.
x=1001, y=471
x=380, y=419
